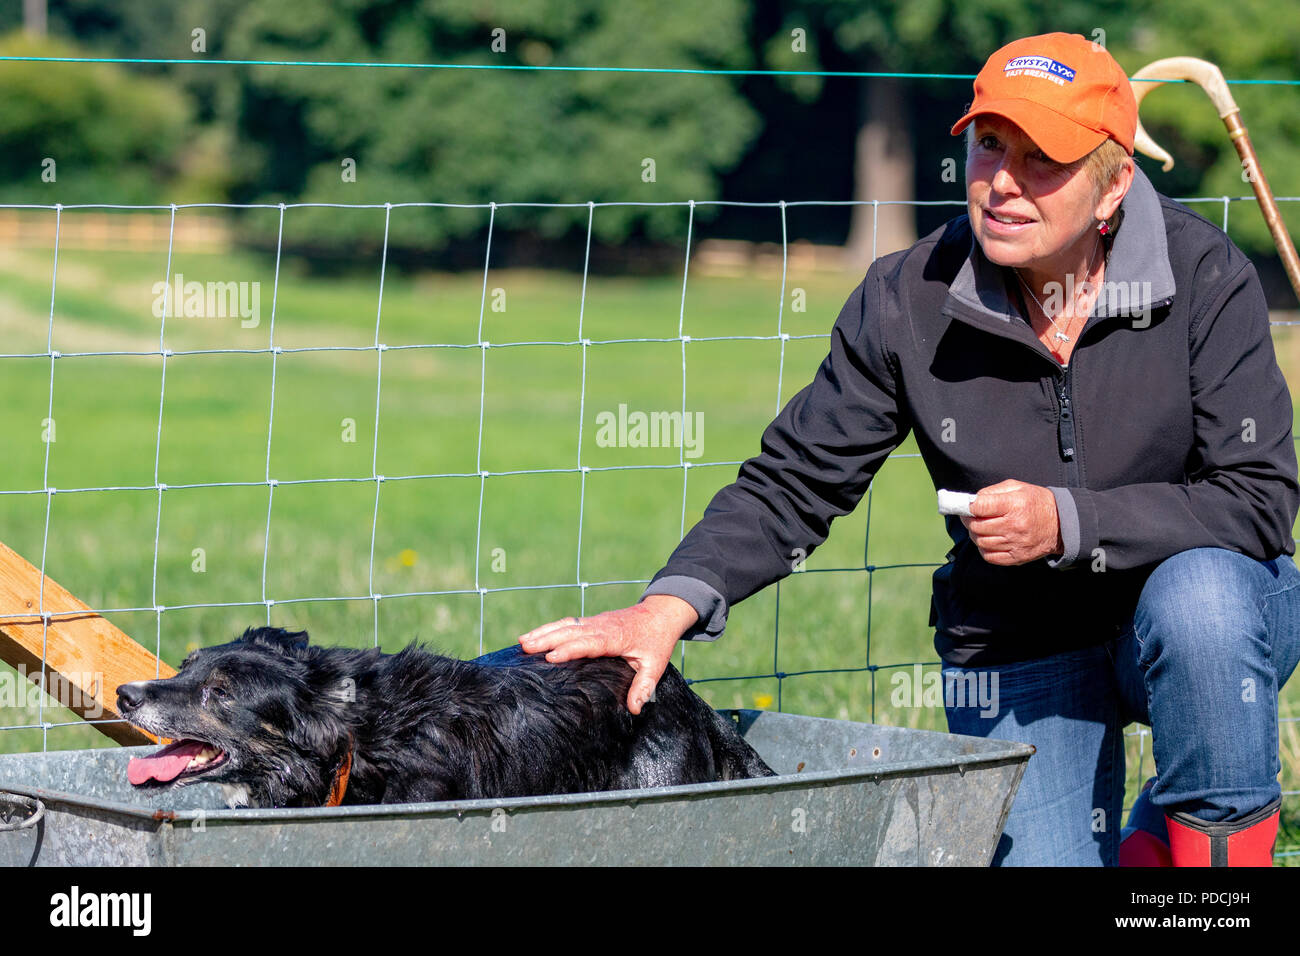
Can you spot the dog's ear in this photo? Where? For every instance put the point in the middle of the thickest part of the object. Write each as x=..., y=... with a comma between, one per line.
x=276, y=637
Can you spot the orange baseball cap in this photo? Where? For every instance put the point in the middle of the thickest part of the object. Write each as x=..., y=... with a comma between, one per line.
x=1066, y=92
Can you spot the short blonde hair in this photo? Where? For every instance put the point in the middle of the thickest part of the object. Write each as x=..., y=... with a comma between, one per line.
x=1104, y=163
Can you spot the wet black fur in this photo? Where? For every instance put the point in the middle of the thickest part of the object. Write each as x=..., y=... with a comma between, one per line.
x=427, y=727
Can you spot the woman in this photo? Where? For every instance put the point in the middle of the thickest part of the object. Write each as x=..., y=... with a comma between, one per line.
x=1094, y=361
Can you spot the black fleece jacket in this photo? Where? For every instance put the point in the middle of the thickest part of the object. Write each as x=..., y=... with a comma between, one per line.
x=1169, y=429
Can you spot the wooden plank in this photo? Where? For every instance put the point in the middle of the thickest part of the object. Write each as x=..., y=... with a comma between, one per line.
x=86, y=657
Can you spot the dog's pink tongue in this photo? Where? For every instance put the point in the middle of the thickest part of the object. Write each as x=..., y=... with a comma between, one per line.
x=165, y=765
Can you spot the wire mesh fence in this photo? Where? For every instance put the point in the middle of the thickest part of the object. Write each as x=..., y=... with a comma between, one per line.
x=585, y=574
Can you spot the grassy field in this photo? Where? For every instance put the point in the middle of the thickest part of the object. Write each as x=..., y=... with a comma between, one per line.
x=245, y=543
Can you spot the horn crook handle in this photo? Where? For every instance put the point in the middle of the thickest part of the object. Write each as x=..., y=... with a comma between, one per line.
x=1208, y=77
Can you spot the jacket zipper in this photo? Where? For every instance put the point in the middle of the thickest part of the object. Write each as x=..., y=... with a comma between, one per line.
x=1065, y=427
x=1065, y=416
x=1063, y=388
x=1065, y=436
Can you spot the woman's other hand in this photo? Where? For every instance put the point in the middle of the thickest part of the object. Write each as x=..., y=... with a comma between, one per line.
x=1014, y=523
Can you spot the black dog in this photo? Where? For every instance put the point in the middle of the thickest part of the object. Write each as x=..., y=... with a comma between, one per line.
x=280, y=723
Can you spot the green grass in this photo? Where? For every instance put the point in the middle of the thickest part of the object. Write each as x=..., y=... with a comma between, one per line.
x=427, y=533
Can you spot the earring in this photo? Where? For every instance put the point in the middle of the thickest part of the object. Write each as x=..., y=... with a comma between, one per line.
x=1104, y=228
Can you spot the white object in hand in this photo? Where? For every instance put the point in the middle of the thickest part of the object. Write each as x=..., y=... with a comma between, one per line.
x=955, y=502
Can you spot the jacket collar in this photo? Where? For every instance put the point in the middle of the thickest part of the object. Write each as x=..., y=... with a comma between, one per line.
x=1138, y=274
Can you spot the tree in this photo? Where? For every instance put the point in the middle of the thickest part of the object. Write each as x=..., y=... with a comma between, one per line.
x=475, y=136
x=77, y=133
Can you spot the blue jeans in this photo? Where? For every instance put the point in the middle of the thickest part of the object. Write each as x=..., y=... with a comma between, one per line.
x=1214, y=637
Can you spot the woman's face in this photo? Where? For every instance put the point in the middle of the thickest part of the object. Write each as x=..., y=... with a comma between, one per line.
x=1029, y=211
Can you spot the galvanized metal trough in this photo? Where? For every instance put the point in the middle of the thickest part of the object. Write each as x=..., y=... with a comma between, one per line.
x=849, y=793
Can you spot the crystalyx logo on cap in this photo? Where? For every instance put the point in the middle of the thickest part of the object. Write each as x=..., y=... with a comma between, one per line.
x=1042, y=66
x=1066, y=92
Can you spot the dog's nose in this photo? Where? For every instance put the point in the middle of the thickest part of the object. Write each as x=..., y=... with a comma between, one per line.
x=130, y=696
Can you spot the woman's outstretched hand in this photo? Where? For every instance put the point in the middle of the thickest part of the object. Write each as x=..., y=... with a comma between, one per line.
x=644, y=635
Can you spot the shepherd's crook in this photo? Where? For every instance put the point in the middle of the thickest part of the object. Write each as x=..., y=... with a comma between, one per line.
x=1207, y=76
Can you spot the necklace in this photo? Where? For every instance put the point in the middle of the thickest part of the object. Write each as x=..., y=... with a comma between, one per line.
x=1058, y=333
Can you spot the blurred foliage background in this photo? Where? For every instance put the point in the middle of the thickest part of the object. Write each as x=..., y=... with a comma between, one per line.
x=161, y=133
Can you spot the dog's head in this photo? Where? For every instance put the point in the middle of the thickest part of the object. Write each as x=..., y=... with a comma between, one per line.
x=259, y=713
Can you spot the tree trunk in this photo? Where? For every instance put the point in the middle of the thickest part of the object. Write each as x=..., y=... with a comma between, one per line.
x=883, y=169
x=34, y=18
